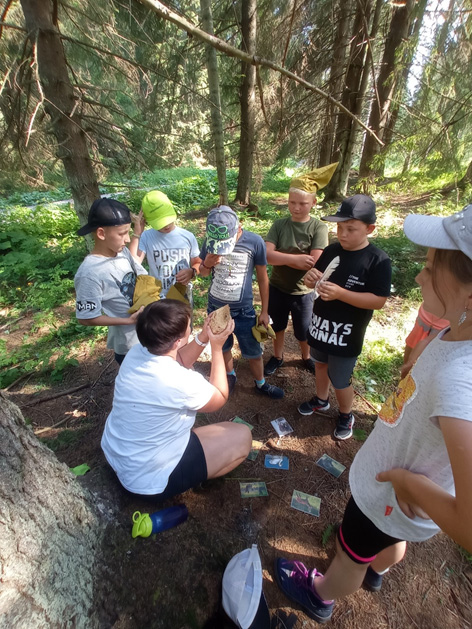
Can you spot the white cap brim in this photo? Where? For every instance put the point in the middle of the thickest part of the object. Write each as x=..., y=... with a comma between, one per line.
x=428, y=231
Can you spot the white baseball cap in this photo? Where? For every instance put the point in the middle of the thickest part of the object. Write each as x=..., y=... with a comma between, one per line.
x=243, y=598
x=451, y=232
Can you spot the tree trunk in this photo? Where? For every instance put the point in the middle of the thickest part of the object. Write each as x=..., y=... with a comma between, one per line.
x=387, y=83
x=357, y=78
x=216, y=120
x=248, y=103
x=60, y=103
x=50, y=536
x=335, y=85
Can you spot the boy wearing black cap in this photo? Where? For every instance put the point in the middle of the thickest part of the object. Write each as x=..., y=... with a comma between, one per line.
x=351, y=279
x=231, y=255
x=105, y=281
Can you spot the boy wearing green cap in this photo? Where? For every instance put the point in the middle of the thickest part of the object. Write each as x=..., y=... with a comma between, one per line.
x=172, y=252
x=294, y=244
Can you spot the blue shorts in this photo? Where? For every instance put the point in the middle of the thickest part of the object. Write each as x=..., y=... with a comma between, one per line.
x=299, y=306
x=340, y=368
x=244, y=321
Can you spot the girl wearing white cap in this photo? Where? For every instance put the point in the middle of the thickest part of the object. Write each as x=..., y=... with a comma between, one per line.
x=412, y=477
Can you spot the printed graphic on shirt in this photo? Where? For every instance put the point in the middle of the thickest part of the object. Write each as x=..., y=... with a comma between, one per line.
x=329, y=332
x=228, y=280
x=353, y=280
x=127, y=286
x=168, y=263
x=391, y=412
x=85, y=306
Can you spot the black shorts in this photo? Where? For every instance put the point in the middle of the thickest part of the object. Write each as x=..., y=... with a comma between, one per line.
x=360, y=539
x=299, y=306
x=190, y=471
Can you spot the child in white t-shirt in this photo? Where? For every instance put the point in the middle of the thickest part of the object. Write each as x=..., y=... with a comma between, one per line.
x=172, y=252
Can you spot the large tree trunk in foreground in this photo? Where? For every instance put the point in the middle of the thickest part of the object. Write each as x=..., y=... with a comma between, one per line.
x=50, y=536
x=61, y=104
x=248, y=103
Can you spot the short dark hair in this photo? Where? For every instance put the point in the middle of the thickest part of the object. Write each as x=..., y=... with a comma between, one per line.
x=161, y=324
x=457, y=263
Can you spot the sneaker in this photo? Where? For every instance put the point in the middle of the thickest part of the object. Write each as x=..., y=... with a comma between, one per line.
x=231, y=382
x=272, y=391
x=272, y=365
x=308, y=408
x=344, y=426
x=296, y=582
x=309, y=364
x=373, y=580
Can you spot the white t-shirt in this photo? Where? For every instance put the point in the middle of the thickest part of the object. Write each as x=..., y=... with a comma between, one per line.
x=106, y=286
x=407, y=435
x=167, y=254
x=154, y=408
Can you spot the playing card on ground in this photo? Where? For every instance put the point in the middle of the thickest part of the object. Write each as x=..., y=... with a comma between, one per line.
x=276, y=461
x=331, y=465
x=253, y=490
x=306, y=503
x=282, y=427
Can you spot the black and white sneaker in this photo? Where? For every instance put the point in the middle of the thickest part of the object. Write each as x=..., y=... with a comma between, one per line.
x=344, y=426
x=315, y=404
x=272, y=365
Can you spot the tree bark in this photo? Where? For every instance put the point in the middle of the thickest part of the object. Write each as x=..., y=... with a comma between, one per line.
x=50, y=535
x=248, y=103
x=60, y=103
x=215, y=107
x=387, y=83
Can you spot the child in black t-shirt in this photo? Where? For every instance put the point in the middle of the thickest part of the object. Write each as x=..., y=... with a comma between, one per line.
x=358, y=284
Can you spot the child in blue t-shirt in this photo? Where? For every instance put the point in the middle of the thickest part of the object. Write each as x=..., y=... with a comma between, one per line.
x=231, y=255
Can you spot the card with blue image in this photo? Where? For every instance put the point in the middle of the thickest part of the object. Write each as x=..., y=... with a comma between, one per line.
x=276, y=462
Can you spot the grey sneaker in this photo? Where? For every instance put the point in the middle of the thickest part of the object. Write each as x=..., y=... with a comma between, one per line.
x=315, y=404
x=343, y=428
x=272, y=365
x=270, y=390
x=373, y=580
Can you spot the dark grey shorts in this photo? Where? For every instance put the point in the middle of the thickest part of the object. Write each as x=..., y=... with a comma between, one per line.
x=340, y=368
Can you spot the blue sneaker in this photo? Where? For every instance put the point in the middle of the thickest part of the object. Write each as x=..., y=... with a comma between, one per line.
x=296, y=582
x=270, y=390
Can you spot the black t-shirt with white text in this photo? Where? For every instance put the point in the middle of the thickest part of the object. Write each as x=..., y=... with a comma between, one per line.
x=338, y=328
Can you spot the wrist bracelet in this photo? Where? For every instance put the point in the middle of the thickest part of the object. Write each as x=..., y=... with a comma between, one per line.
x=209, y=268
x=198, y=341
x=136, y=235
x=194, y=271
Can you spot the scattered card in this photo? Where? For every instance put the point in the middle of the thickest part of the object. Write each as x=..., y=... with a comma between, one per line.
x=276, y=461
x=306, y=503
x=282, y=427
x=253, y=490
x=256, y=447
x=331, y=465
x=238, y=420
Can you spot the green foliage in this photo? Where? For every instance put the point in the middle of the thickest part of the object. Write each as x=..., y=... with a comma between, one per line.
x=326, y=535
x=64, y=439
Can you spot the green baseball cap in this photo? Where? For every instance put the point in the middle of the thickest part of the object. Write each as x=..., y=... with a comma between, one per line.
x=158, y=209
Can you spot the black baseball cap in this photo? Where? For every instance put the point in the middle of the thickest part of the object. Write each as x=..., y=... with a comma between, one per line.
x=359, y=207
x=105, y=213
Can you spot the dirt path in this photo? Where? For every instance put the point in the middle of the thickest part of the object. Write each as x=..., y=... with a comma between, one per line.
x=172, y=580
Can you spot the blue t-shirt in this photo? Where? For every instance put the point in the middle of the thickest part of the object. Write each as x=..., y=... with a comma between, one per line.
x=231, y=281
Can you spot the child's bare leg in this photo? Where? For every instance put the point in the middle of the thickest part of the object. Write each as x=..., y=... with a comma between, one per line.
x=305, y=349
x=345, y=398
x=343, y=577
x=389, y=557
x=322, y=380
x=279, y=344
x=256, y=366
x=228, y=358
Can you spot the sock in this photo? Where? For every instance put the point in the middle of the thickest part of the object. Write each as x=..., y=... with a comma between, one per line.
x=231, y=373
x=320, y=400
x=260, y=383
x=381, y=573
x=344, y=415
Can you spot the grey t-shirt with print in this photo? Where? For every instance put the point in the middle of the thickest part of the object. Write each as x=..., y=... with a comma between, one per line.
x=106, y=286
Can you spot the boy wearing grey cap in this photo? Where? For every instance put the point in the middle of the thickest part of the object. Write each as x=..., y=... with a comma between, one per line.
x=351, y=278
x=231, y=255
x=105, y=281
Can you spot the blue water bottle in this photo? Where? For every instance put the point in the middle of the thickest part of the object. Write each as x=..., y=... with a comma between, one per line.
x=146, y=524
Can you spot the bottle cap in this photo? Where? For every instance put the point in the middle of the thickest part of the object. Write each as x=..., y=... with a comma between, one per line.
x=142, y=526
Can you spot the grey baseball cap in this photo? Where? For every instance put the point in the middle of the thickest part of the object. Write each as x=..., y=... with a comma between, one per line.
x=451, y=232
x=222, y=227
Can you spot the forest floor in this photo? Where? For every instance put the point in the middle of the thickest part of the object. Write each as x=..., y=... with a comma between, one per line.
x=173, y=580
